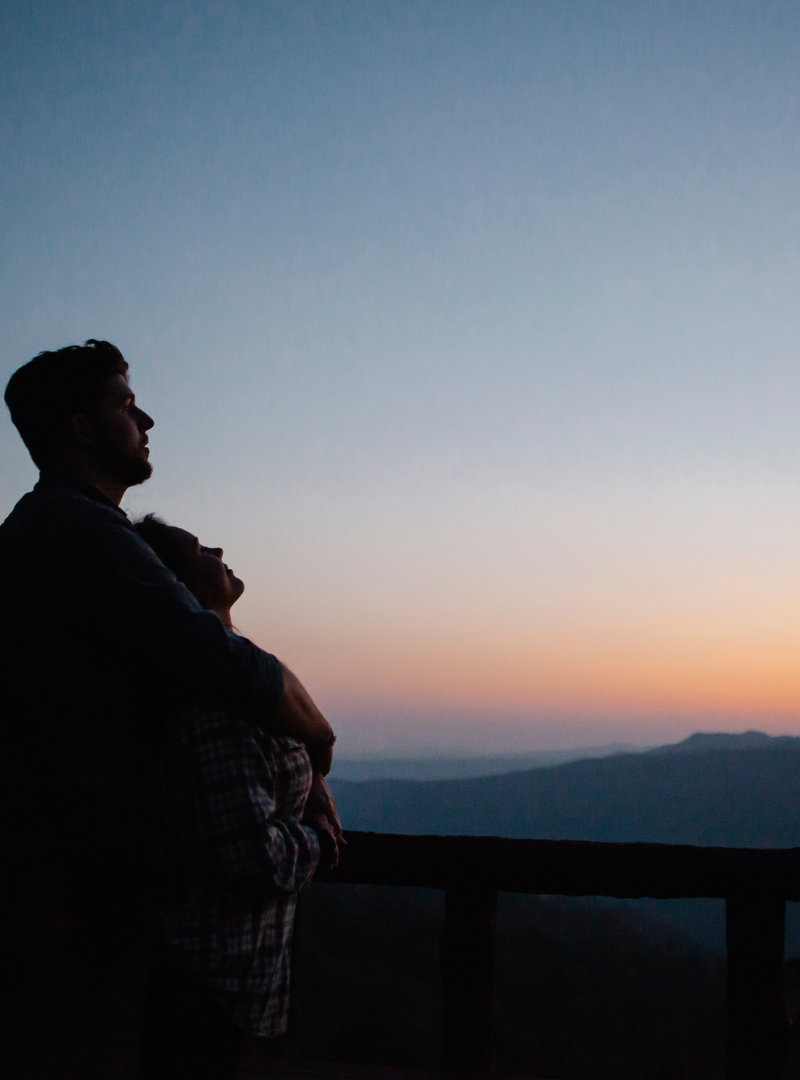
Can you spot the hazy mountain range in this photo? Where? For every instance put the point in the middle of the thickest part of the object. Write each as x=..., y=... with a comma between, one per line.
x=710, y=789
x=732, y=790
x=587, y=987
x=454, y=767
x=442, y=767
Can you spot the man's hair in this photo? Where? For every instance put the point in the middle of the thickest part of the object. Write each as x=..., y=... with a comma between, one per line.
x=45, y=393
x=159, y=536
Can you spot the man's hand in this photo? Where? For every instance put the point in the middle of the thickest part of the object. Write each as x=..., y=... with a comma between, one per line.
x=328, y=844
x=320, y=801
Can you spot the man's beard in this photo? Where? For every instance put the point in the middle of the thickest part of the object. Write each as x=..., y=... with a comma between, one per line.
x=136, y=472
x=130, y=470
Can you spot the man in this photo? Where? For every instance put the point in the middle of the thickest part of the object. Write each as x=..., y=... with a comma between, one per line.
x=96, y=636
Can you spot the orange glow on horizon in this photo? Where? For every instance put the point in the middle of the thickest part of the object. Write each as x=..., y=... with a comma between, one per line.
x=649, y=674
x=631, y=617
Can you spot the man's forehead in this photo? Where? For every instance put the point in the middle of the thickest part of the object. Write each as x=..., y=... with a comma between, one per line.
x=118, y=387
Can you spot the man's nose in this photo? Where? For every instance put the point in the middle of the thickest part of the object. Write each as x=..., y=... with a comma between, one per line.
x=218, y=552
x=144, y=421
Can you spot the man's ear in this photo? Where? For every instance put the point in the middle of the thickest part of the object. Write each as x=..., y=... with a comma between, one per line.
x=83, y=430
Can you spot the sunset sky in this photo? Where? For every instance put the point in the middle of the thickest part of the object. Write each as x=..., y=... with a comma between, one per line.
x=471, y=331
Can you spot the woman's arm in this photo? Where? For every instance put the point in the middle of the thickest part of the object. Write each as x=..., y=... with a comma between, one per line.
x=320, y=803
x=222, y=788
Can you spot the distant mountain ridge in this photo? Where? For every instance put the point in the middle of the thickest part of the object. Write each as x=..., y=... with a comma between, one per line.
x=442, y=767
x=747, y=740
x=710, y=789
x=718, y=789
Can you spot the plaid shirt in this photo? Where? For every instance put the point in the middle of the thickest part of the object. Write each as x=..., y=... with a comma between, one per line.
x=237, y=858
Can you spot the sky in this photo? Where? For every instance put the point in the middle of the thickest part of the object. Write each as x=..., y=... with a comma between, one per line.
x=470, y=331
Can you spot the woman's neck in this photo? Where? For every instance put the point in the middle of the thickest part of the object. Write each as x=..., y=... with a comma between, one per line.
x=225, y=615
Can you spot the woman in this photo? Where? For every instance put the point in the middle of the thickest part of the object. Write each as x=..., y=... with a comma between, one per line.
x=247, y=821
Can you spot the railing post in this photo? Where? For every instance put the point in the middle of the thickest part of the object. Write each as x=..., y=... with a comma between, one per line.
x=757, y=1041
x=468, y=950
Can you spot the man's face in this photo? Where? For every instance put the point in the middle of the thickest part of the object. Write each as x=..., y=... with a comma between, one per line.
x=119, y=429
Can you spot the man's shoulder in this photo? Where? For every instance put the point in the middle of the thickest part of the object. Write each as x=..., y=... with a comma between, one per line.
x=76, y=497
x=57, y=506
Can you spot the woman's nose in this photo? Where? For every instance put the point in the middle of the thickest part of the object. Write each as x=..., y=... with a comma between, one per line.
x=218, y=552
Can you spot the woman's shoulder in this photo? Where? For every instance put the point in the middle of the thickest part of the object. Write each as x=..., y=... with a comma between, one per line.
x=282, y=748
x=198, y=709
x=204, y=716
x=285, y=743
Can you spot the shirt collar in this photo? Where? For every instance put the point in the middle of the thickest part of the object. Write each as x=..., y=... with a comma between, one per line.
x=88, y=490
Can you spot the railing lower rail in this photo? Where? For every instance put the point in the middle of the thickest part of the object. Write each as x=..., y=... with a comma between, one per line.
x=754, y=883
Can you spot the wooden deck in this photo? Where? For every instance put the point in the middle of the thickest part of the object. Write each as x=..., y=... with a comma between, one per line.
x=755, y=885
x=320, y=1070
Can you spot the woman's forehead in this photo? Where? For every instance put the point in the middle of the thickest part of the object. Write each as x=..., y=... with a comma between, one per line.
x=183, y=538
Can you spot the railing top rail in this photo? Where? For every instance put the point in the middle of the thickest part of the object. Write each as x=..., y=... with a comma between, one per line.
x=567, y=867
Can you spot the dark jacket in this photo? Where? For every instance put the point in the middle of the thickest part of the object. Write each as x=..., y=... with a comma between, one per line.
x=97, y=636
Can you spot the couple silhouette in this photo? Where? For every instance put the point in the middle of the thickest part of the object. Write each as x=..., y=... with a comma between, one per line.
x=163, y=778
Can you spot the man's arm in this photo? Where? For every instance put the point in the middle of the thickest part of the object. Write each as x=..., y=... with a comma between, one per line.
x=298, y=716
x=128, y=594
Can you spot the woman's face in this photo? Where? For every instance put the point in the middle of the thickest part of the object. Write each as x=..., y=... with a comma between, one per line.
x=205, y=574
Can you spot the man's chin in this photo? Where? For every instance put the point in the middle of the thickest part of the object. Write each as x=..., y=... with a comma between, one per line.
x=137, y=472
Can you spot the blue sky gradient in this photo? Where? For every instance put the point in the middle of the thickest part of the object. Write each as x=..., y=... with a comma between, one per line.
x=470, y=331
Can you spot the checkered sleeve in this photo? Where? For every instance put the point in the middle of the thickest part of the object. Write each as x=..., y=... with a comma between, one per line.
x=229, y=790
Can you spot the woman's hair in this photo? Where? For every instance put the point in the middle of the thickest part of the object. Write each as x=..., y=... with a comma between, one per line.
x=155, y=532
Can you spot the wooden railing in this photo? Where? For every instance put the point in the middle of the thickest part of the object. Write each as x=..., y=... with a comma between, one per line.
x=755, y=885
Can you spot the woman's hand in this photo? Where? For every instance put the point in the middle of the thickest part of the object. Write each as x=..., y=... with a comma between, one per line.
x=320, y=801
